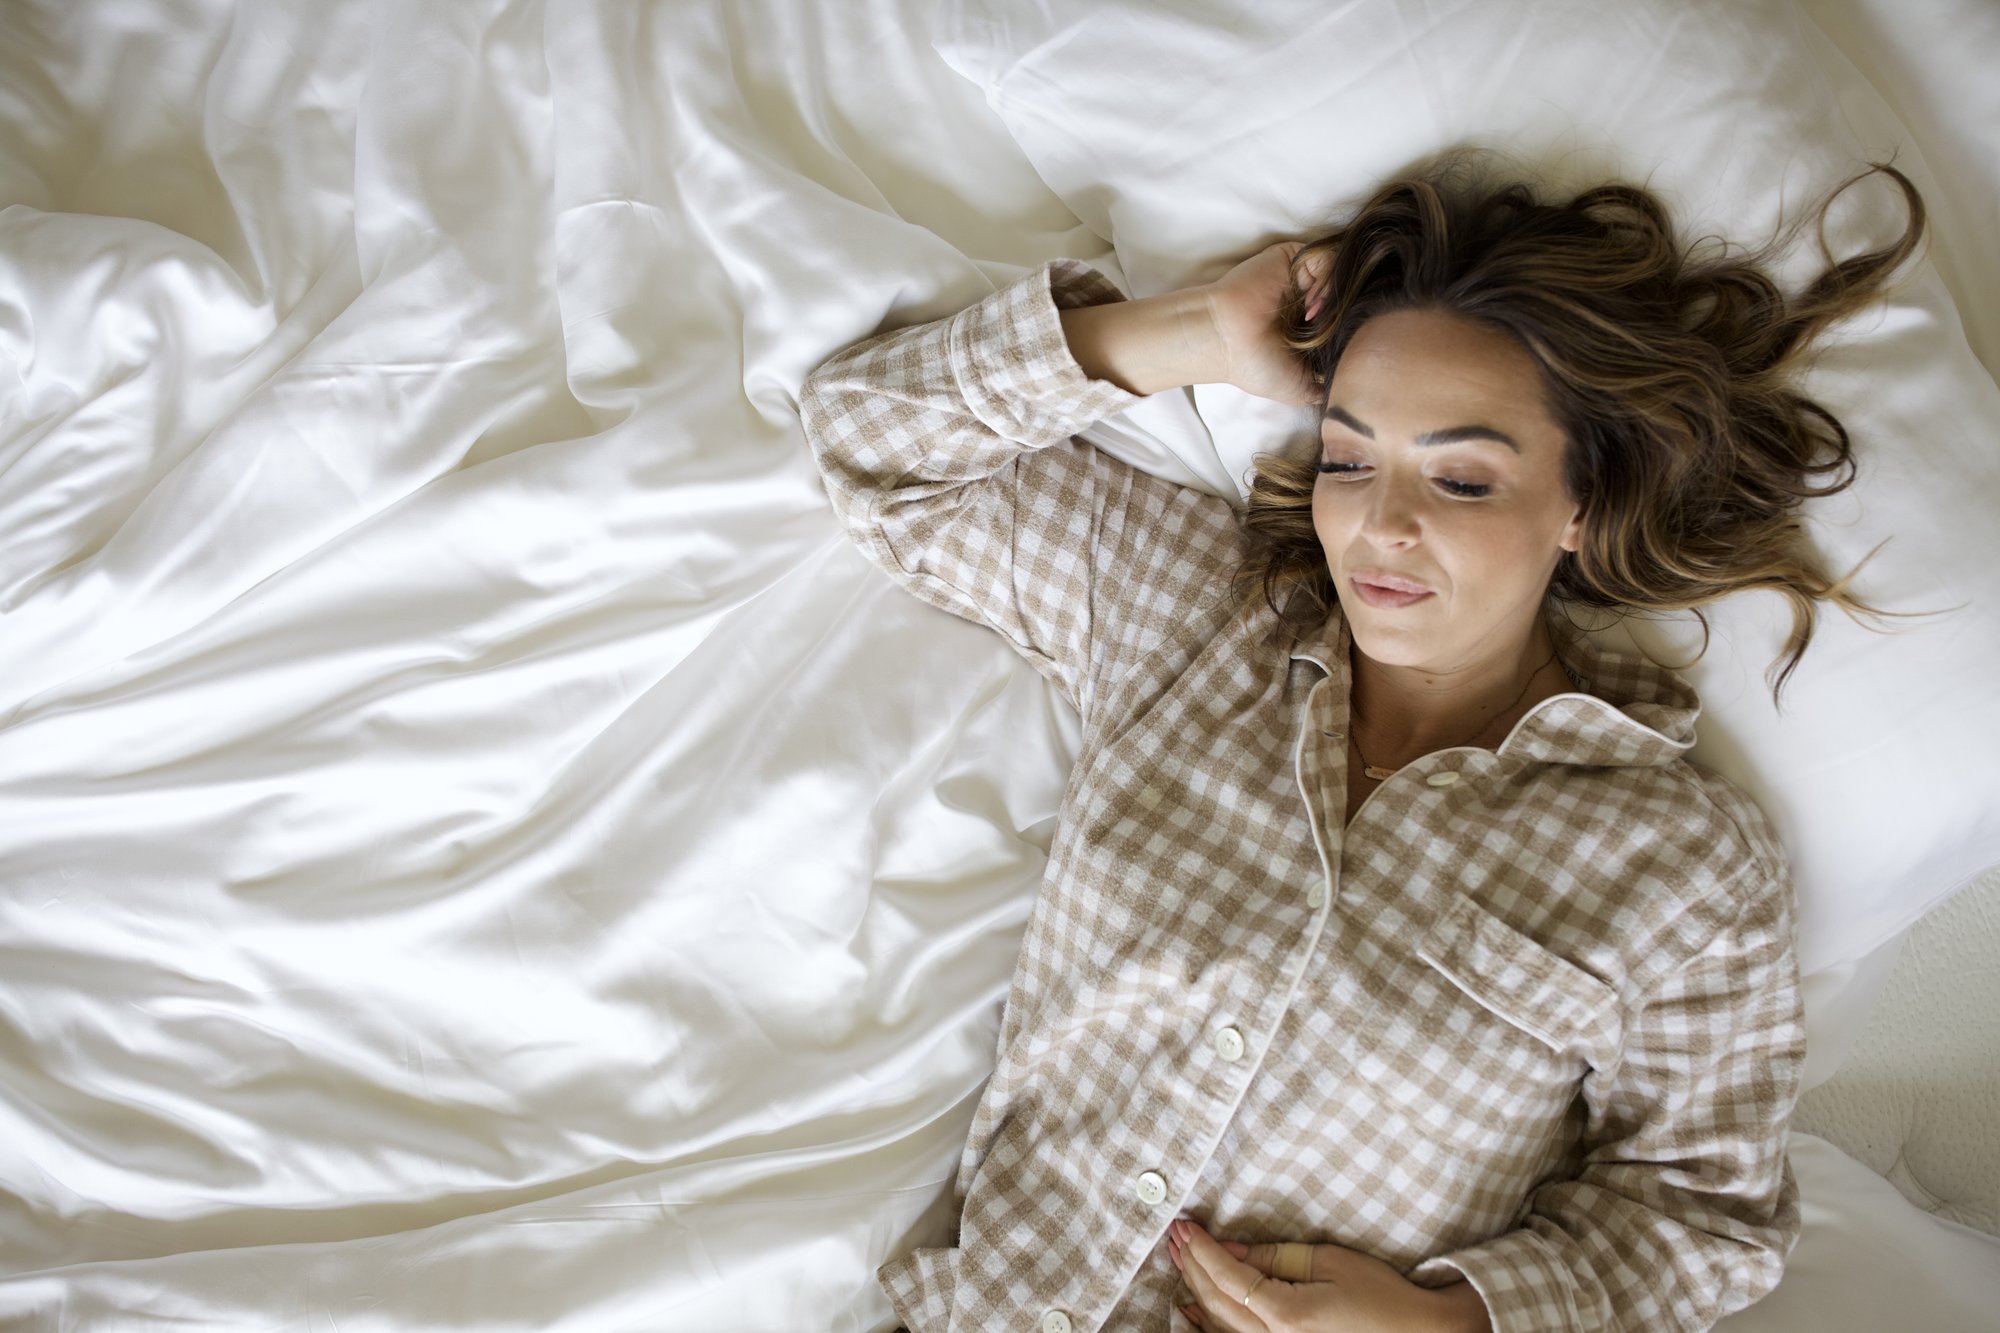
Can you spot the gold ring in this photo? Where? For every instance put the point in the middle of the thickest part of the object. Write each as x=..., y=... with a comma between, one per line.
x=1245, y=1301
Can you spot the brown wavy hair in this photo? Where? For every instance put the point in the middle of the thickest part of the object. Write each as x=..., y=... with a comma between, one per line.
x=1671, y=370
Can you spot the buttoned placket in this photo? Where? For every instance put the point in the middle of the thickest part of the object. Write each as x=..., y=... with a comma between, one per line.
x=1152, y=1187
x=1322, y=738
x=1322, y=785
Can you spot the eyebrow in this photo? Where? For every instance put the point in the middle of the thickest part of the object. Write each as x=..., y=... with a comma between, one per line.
x=1450, y=435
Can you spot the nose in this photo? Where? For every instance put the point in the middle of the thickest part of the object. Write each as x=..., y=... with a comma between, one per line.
x=1391, y=517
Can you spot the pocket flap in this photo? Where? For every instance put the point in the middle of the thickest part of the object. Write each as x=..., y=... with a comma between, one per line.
x=1546, y=996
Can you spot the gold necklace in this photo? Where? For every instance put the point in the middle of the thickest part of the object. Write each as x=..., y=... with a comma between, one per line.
x=1378, y=774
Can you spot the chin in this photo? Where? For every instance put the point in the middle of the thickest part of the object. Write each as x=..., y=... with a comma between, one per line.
x=1393, y=653
x=1388, y=646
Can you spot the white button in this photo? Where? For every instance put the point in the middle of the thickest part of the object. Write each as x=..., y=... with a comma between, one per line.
x=1055, y=1321
x=1316, y=895
x=1151, y=1187
x=1444, y=779
x=1230, y=1043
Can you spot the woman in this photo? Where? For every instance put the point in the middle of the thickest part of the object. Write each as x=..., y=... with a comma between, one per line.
x=1388, y=931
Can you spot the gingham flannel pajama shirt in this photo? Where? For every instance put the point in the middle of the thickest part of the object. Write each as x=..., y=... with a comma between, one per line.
x=1532, y=1018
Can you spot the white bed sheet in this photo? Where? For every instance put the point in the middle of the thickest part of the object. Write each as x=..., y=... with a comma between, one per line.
x=477, y=847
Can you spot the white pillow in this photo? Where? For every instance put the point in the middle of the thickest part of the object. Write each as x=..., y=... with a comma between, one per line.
x=1188, y=135
x=1868, y=1259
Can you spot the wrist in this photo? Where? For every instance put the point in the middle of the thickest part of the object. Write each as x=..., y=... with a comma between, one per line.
x=1149, y=344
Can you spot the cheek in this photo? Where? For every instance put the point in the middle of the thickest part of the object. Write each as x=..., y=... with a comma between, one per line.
x=1511, y=562
x=1503, y=550
x=1325, y=520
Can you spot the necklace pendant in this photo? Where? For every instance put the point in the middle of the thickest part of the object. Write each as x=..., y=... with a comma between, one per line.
x=1378, y=773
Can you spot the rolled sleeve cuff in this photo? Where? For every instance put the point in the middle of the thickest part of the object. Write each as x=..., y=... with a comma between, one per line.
x=921, y=1287
x=1034, y=390
x=1526, y=1287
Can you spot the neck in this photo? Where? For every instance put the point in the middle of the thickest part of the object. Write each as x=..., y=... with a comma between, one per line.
x=1407, y=711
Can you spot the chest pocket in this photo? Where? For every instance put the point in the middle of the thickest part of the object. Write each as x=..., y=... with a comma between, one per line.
x=1520, y=982
x=1482, y=1038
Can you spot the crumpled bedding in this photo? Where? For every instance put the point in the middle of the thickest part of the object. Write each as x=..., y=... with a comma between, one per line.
x=478, y=848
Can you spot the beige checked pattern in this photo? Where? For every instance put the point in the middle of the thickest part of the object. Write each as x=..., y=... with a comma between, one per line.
x=1533, y=1018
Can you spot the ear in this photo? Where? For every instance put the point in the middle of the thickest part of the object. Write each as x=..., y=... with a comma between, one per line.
x=1572, y=536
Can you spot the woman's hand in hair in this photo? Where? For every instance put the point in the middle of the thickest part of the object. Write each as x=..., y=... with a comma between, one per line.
x=1243, y=306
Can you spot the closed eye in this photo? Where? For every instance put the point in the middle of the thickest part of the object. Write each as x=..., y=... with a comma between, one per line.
x=1464, y=489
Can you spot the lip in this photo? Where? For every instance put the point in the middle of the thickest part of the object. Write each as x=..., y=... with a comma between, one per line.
x=1382, y=578
x=1388, y=592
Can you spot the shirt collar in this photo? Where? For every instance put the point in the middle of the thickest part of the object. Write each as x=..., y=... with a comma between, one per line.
x=1632, y=713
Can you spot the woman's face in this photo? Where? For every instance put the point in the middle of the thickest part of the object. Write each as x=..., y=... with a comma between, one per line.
x=1447, y=474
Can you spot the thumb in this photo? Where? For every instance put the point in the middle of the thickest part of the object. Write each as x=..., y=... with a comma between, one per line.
x=1263, y=1258
x=1315, y=1264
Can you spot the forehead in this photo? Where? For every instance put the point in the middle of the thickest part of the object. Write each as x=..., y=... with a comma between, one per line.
x=1413, y=371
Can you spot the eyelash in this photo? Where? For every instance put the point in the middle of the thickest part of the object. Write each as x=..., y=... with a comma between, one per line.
x=1463, y=489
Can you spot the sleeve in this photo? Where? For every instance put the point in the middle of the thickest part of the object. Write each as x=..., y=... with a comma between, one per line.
x=946, y=450
x=1685, y=1208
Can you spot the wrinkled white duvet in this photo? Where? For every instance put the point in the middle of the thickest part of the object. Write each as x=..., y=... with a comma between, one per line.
x=477, y=847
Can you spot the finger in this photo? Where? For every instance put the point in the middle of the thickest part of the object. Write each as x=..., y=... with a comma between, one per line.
x=1180, y=1234
x=1217, y=1257
x=1219, y=1314
x=1315, y=271
x=1218, y=1279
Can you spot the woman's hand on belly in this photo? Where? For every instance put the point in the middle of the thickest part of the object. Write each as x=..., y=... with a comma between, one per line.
x=1347, y=1291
